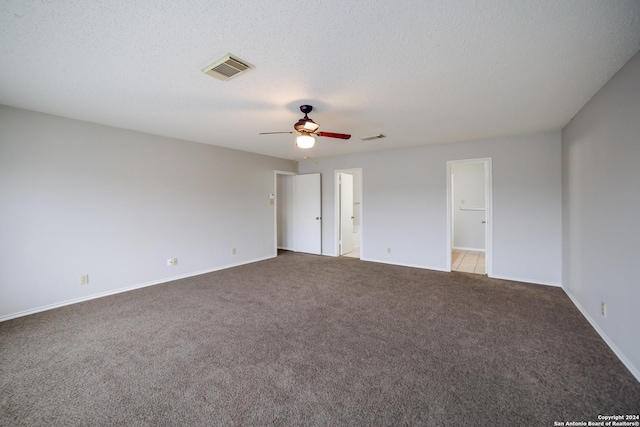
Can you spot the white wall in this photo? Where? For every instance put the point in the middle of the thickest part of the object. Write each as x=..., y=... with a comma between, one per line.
x=285, y=211
x=80, y=198
x=601, y=207
x=405, y=204
x=468, y=193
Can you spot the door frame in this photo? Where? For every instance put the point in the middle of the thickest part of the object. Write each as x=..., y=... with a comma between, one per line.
x=275, y=207
x=345, y=239
x=488, y=197
x=336, y=204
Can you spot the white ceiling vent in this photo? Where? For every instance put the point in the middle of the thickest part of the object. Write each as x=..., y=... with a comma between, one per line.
x=227, y=67
x=369, y=138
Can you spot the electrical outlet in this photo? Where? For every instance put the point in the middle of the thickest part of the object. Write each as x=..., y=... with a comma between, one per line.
x=175, y=261
x=603, y=309
x=388, y=250
x=233, y=251
x=84, y=279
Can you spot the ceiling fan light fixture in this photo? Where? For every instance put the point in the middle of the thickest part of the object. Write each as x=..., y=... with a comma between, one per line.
x=305, y=141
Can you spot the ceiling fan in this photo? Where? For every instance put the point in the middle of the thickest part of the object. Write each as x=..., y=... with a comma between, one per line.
x=306, y=128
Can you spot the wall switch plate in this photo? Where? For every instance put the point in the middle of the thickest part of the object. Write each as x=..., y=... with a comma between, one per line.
x=84, y=279
x=170, y=261
x=233, y=251
x=175, y=261
x=388, y=250
x=603, y=309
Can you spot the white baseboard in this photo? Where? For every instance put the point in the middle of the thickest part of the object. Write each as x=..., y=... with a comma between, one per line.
x=124, y=289
x=424, y=267
x=635, y=371
x=332, y=254
x=520, y=279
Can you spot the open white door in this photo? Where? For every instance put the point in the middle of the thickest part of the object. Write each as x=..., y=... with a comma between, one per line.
x=346, y=213
x=307, y=224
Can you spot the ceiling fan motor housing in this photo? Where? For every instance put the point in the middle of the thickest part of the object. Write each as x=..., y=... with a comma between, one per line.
x=305, y=124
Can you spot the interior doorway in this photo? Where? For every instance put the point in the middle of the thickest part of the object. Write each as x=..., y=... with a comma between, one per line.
x=469, y=215
x=282, y=200
x=297, y=212
x=348, y=212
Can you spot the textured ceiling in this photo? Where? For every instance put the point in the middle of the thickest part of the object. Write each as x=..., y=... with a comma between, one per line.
x=420, y=72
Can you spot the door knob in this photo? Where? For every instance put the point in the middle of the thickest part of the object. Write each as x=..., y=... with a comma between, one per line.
x=352, y=217
x=317, y=217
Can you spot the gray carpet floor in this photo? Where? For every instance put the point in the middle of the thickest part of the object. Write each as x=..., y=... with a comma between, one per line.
x=311, y=340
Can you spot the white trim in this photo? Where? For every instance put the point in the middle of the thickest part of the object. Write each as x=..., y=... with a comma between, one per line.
x=533, y=282
x=488, y=254
x=285, y=249
x=635, y=371
x=275, y=208
x=450, y=184
x=336, y=205
x=401, y=264
x=489, y=212
x=125, y=289
x=468, y=249
x=512, y=279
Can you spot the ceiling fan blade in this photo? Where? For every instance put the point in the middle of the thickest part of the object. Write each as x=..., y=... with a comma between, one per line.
x=334, y=135
x=271, y=133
